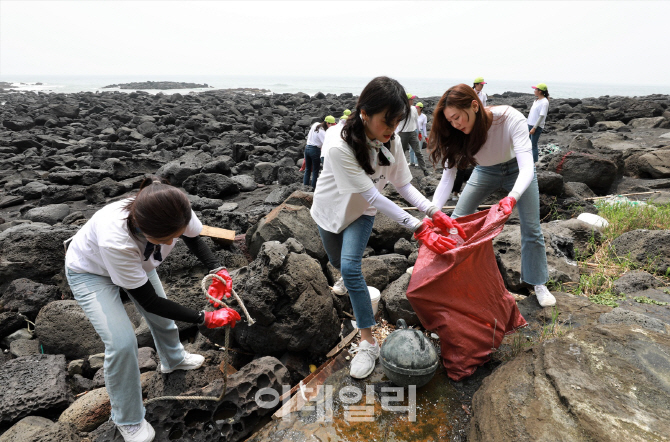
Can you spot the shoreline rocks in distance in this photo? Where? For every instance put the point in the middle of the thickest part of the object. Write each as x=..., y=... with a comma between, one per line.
x=158, y=85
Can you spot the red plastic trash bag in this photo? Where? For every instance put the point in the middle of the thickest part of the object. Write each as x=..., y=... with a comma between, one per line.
x=461, y=296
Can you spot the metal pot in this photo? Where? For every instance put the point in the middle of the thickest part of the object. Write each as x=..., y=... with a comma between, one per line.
x=408, y=357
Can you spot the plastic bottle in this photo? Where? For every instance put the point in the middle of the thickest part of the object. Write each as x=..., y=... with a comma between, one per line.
x=453, y=234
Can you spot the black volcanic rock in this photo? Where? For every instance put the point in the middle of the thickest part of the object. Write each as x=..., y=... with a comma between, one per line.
x=157, y=85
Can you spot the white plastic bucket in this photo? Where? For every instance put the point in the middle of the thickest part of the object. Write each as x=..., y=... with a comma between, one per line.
x=375, y=296
x=593, y=220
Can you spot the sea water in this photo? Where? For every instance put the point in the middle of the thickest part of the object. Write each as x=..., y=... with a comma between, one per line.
x=422, y=87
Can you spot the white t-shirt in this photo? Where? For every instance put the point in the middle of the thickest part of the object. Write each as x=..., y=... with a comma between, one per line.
x=540, y=107
x=105, y=247
x=421, y=124
x=482, y=97
x=411, y=122
x=507, y=138
x=337, y=200
x=315, y=138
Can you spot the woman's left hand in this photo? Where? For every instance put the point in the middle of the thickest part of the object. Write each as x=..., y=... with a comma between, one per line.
x=532, y=131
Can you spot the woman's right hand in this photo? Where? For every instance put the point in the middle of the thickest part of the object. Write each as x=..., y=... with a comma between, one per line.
x=434, y=241
x=446, y=223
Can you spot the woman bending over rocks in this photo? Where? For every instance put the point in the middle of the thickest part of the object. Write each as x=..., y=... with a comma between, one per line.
x=360, y=158
x=495, y=141
x=120, y=248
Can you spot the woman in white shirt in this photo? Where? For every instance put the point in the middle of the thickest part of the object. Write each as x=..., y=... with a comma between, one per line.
x=315, y=138
x=495, y=141
x=537, y=115
x=120, y=248
x=421, y=129
x=361, y=158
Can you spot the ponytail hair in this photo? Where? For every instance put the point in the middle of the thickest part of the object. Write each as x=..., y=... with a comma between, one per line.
x=158, y=210
x=323, y=125
x=382, y=94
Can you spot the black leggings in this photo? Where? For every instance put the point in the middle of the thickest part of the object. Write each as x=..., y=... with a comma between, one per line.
x=462, y=176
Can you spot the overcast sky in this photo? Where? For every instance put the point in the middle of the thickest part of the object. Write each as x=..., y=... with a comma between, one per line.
x=625, y=42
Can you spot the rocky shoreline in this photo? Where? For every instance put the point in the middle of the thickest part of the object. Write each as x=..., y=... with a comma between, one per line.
x=64, y=156
x=158, y=85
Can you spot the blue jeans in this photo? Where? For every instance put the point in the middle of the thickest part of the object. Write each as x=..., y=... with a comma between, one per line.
x=100, y=299
x=312, y=164
x=486, y=180
x=345, y=253
x=533, y=141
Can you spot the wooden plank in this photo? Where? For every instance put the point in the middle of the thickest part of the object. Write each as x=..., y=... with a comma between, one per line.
x=346, y=340
x=218, y=234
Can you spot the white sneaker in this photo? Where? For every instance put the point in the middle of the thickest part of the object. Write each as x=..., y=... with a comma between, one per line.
x=339, y=289
x=142, y=432
x=544, y=296
x=364, y=362
x=190, y=362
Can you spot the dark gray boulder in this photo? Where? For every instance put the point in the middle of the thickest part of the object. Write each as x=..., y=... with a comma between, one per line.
x=63, y=328
x=33, y=251
x=28, y=297
x=646, y=247
x=183, y=167
x=288, y=296
x=394, y=299
x=578, y=383
x=211, y=185
x=33, y=385
x=51, y=214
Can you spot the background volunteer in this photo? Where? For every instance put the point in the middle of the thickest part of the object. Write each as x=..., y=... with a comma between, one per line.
x=315, y=138
x=421, y=131
x=408, y=136
x=478, y=86
x=537, y=115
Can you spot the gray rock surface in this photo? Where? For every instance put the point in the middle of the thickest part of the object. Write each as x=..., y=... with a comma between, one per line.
x=394, y=300
x=28, y=297
x=646, y=247
x=233, y=419
x=50, y=214
x=596, y=383
x=288, y=296
x=63, y=328
x=33, y=384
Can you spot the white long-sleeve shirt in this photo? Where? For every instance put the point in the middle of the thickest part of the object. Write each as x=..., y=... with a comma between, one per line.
x=411, y=124
x=315, y=138
x=507, y=139
x=421, y=122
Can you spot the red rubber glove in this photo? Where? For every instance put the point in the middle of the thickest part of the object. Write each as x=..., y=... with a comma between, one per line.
x=217, y=289
x=434, y=241
x=445, y=223
x=507, y=204
x=304, y=166
x=420, y=136
x=427, y=139
x=221, y=318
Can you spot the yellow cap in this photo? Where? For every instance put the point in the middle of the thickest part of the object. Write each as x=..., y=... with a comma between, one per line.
x=347, y=112
x=329, y=119
x=540, y=86
x=419, y=104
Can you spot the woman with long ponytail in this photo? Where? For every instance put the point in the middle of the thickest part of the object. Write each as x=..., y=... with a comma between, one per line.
x=360, y=159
